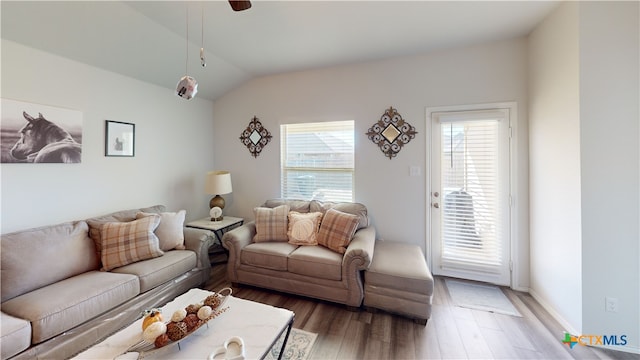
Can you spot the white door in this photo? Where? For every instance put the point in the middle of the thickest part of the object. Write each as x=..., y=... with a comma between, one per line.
x=470, y=195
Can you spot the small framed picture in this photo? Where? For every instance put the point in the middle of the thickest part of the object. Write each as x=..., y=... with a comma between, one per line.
x=119, y=139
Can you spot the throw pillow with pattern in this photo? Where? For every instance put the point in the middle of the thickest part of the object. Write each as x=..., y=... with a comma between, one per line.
x=271, y=223
x=303, y=228
x=337, y=229
x=125, y=243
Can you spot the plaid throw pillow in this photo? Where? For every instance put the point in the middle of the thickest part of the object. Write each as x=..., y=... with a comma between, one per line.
x=271, y=224
x=303, y=228
x=124, y=243
x=337, y=229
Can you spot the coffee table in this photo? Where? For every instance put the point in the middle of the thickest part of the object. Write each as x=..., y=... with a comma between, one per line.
x=259, y=325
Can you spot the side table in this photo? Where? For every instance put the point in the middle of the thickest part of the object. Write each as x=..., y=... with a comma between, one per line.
x=218, y=228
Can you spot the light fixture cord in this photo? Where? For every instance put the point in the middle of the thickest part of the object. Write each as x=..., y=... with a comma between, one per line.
x=203, y=61
x=186, y=64
x=202, y=21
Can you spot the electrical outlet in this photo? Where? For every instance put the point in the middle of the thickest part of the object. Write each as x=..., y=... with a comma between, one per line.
x=611, y=304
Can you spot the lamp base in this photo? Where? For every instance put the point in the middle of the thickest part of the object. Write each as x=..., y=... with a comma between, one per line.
x=218, y=218
x=216, y=201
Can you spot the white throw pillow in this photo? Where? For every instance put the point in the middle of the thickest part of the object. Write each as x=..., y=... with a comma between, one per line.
x=170, y=232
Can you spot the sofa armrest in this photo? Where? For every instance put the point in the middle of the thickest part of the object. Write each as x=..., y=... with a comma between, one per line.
x=234, y=241
x=199, y=241
x=356, y=259
x=360, y=249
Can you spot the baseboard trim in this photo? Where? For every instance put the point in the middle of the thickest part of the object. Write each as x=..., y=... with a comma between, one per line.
x=552, y=311
x=626, y=349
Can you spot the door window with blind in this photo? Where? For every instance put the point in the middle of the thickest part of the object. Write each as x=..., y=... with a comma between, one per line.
x=317, y=161
x=470, y=194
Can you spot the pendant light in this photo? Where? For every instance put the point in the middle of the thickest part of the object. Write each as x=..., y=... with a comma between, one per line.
x=187, y=86
x=203, y=62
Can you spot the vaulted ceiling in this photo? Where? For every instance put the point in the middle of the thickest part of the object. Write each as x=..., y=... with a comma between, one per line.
x=147, y=39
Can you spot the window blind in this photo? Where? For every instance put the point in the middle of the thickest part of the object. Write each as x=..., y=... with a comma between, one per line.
x=472, y=231
x=317, y=161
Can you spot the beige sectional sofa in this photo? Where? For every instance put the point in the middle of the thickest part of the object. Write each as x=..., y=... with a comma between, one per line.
x=315, y=271
x=56, y=301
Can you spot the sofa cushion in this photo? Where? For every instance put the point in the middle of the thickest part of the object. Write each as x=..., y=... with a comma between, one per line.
x=156, y=271
x=61, y=306
x=15, y=335
x=301, y=206
x=348, y=207
x=303, y=228
x=271, y=223
x=96, y=223
x=126, y=243
x=170, y=232
x=337, y=229
x=267, y=255
x=316, y=261
x=34, y=258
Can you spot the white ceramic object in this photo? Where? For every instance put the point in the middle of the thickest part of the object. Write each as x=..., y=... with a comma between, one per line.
x=232, y=349
x=215, y=212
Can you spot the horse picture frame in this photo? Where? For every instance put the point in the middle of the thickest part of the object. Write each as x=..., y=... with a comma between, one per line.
x=119, y=139
x=34, y=133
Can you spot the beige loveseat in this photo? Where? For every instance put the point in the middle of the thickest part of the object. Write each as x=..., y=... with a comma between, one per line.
x=56, y=301
x=313, y=271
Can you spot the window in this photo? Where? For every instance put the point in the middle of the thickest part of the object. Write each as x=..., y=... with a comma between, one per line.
x=317, y=161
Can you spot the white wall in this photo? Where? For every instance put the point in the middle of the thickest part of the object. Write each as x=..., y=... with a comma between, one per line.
x=361, y=92
x=554, y=166
x=584, y=94
x=609, y=113
x=174, y=146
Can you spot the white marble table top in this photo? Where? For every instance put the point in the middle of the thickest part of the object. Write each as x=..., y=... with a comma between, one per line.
x=207, y=224
x=257, y=324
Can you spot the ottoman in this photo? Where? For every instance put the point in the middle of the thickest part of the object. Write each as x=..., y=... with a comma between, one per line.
x=399, y=281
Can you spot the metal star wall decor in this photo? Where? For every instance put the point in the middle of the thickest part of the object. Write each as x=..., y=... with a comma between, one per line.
x=255, y=137
x=391, y=133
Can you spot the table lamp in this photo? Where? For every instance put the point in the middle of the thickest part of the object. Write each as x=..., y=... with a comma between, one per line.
x=217, y=183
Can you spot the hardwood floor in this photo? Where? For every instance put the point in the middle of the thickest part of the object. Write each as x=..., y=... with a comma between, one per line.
x=451, y=333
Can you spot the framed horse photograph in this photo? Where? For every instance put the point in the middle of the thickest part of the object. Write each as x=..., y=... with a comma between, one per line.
x=119, y=139
x=34, y=133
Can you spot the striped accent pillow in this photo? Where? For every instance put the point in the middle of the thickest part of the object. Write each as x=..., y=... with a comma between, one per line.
x=124, y=243
x=337, y=229
x=271, y=224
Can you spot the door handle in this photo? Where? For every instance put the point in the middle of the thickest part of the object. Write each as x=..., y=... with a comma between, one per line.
x=436, y=205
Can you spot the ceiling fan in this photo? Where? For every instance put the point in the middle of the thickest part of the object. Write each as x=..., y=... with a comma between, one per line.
x=239, y=5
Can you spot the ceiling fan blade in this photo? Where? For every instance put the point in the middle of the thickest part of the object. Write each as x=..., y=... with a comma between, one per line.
x=237, y=5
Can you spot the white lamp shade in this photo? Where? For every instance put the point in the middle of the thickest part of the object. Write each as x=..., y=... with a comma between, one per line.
x=218, y=183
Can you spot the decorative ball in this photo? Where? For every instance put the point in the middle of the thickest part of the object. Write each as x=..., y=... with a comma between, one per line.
x=176, y=330
x=213, y=301
x=153, y=331
x=161, y=341
x=192, y=322
x=205, y=312
x=193, y=308
x=179, y=315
